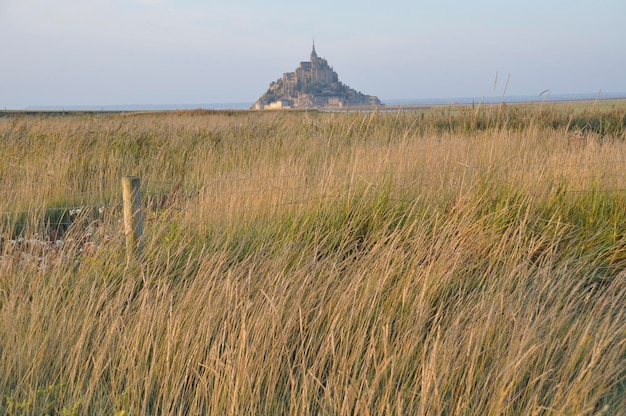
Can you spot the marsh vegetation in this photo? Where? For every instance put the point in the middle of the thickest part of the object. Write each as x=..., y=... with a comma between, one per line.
x=466, y=260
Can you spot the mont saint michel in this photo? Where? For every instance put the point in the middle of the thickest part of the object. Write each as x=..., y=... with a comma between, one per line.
x=314, y=84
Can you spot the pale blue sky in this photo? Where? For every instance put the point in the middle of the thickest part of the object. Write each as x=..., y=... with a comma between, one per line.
x=110, y=52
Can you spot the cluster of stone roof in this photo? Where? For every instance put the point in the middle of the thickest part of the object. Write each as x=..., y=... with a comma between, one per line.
x=314, y=84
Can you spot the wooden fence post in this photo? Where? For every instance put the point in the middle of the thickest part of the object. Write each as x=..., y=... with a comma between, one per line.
x=133, y=219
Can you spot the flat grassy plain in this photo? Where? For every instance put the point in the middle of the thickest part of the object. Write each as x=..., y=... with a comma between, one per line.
x=454, y=260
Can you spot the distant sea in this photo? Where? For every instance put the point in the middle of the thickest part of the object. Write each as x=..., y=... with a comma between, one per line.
x=507, y=99
x=546, y=97
x=142, y=107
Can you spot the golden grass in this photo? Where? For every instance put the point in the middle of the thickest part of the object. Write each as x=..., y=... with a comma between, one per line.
x=466, y=262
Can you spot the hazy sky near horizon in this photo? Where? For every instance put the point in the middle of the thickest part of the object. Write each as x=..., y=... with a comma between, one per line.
x=116, y=52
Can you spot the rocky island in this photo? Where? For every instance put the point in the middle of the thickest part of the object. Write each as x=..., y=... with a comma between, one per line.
x=314, y=84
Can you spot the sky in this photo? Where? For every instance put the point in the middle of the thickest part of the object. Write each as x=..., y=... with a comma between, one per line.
x=157, y=52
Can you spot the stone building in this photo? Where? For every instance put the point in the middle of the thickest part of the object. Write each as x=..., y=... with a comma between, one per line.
x=316, y=70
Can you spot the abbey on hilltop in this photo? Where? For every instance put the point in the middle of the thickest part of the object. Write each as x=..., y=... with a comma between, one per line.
x=313, y=84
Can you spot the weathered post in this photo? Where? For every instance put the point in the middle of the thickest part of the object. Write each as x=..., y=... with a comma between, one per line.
x=133, y=219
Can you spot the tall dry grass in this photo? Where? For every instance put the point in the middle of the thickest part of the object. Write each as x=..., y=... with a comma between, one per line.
x=456, y=261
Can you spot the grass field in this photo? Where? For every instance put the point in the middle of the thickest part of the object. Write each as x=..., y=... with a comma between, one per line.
x=455, y=261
